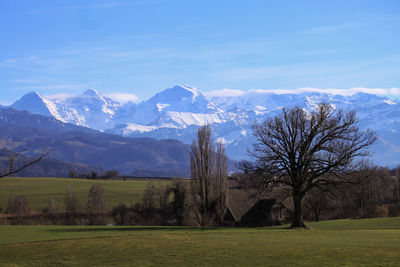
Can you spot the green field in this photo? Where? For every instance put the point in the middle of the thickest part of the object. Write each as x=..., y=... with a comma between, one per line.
x=40, y=190
x=374, y=242
x=367, y=242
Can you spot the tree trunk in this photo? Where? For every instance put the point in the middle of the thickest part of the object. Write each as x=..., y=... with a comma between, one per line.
x=316, y=214
x=298, y=211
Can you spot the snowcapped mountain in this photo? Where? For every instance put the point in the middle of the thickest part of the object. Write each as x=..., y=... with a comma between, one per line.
x=177, y=112
x=175, y=107
x=90, y=109
x=37, y=104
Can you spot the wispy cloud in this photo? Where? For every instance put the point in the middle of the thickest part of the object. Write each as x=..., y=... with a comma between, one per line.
x=120, y=63
x=123, y=97
x=104, y=5
x=281, y=71
x=346, y=92
x=325, y=29
x=311, y=72
x=119, y=97
x=22, y=63
x=118, y=52
x=60, y=97
x=55, y=87
x=27, y=81
x=224, y=93
x=88, y=6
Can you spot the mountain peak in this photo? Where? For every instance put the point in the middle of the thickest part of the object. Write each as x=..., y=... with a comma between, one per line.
x=180, y=98
x=91, y=96
x=185, y=89
x=33, y=94
x=192, y=90
x=30, y=97
x=177, y=93
x=36, y=103
x=91, y=92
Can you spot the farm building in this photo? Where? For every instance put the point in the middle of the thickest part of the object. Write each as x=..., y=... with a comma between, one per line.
x=246, y=209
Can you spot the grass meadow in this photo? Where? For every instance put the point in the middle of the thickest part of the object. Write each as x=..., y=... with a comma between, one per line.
x=39, y=191
x=366, y=242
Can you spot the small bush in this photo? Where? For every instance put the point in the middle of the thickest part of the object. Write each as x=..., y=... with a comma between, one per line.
x=381, y=211
x=18, y=208
x=122, y=215
x=52, y=211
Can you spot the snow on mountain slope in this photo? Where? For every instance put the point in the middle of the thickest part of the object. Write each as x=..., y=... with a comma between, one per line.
x=234, y=116
x=183, y=99
x=37, y=104
x=251, y=99
x=177, y=112
x=177, y=107
x=90, y=109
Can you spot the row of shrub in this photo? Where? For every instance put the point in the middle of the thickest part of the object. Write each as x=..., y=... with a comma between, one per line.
x=160, y=205
x=377, y=194
x=110, y=174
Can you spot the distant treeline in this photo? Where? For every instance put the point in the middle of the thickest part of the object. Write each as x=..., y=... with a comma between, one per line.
x=115, y=175
x=160, y=205
x=378, y=195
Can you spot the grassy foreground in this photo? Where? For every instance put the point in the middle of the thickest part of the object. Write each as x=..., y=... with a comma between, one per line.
x=40, y=190
x=373, y=242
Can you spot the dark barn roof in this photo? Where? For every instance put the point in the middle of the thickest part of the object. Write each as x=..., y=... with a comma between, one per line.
x=246, y=208
x=239, y=202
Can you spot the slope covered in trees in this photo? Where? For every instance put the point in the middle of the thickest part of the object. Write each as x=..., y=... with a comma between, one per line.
x=22, y=131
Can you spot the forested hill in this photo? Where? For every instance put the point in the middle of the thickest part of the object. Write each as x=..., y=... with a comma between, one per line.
x=23, y=131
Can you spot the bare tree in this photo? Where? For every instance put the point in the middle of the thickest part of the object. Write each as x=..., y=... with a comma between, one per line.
x=202, y=160
x=315, y=202
x=149, y=209
x=208, y=178
x=164, y=205
x=52, y=211
x=150, y=196
x=72, y=207
x=178, y=203
x=396, y=190
x=96, y=206
x=303, y=150
x=220, y=183
x=18, y=208
x=14, y=158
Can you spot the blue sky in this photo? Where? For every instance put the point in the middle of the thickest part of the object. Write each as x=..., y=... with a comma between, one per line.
x=143, y=46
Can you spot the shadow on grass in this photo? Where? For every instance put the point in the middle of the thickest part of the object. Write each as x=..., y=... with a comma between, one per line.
x=129, y=228
x=81, y=229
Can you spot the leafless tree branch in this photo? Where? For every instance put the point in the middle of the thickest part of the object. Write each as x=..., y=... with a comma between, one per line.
x=13, y=158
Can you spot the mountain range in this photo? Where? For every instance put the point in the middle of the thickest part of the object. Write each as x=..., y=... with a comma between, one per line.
x=177, y=112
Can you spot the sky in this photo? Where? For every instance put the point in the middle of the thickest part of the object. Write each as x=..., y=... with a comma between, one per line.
x=132, y=49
